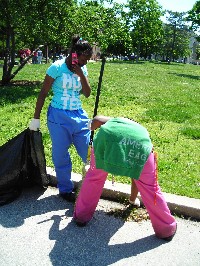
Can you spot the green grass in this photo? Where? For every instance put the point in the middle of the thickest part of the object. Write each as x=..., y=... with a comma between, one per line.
x=163, y=97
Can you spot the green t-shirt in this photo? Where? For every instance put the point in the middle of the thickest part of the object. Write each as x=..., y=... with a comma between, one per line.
x=122, y=147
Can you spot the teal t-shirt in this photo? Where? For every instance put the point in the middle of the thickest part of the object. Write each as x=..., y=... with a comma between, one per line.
x=122, y=147
x=66, y=87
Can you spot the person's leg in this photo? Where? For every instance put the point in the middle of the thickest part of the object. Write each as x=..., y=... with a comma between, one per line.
x=162, y=221
x=81, y=136
x=90, y=193
x=60, y=128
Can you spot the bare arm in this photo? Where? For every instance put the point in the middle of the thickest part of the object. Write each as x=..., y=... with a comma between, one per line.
x=42, y=95
x=86, y=90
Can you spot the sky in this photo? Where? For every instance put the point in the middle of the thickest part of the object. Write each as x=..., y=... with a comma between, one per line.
x=177, y=5
x=174, y=5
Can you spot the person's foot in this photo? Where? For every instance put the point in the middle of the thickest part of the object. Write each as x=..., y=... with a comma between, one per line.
x=169, y=238
x=71, y=196
x=79, y=223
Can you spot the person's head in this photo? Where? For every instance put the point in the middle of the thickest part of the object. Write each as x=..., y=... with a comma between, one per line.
x=82, y=48
x=98, y=121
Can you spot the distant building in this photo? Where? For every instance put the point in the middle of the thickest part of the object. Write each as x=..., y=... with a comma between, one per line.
x=192, y=59
x=96, y=52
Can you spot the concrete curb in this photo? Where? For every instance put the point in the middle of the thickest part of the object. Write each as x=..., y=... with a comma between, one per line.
x=180, y=205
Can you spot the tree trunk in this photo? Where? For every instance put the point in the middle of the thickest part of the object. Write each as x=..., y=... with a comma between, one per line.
x=9, y=59
x=7, y=68
x=173, y=43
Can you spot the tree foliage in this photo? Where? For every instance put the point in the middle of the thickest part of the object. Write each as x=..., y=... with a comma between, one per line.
x=194, y=17
x=33, y=22
x=138, y=28
x=144, y=19
x=103, y=25
x=177, y=35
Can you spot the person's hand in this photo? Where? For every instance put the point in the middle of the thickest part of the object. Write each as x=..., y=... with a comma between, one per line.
x=89, y=124
x=77, y=70
x=34, y=124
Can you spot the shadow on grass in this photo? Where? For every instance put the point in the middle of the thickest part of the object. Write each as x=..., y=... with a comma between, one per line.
x=186, y=76
x=18, y=90
x=191, y=132
x=172, y=64
x=126, y=62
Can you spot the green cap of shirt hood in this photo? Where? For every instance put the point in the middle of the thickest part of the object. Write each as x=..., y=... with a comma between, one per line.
x=122, y=147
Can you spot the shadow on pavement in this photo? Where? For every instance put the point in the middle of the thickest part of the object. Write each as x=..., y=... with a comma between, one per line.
x=102, y=242
x=91, y=245
x=27, y=205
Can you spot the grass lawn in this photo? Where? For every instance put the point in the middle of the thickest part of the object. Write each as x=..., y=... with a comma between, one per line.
x=165, y=98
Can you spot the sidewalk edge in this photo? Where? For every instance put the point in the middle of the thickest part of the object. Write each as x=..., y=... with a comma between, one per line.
x=180, y=205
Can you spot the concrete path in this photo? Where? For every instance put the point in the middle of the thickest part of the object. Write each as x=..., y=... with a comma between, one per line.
x=37, y=229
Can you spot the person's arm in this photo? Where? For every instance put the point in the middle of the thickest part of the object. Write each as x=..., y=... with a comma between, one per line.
x=42, y=95
x=86, y=89
x=35, y=122
x=134, y=192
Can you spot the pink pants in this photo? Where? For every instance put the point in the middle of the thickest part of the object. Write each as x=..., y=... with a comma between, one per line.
x=163, y=222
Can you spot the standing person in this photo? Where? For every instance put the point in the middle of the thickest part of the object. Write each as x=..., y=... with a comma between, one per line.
x=22, y=55
x=61, y=56
x=39, y=56
x=66, y=120
x=35, y=57
x=123, y=147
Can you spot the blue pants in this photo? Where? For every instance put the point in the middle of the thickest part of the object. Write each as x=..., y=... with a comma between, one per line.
x=67, y=128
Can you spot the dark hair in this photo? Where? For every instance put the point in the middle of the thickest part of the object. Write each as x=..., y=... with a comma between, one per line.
x=81, y=46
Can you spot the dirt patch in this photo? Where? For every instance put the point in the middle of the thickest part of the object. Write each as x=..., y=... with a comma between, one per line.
x=130, y=213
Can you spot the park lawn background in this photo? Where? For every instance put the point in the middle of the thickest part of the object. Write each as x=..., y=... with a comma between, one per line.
x=163, y=97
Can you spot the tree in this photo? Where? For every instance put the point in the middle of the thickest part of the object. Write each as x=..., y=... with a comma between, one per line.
x=19, y=28
x=53, y=23
x=144, y=19
x=177, y=35
x=194, y=17
x=103, y=25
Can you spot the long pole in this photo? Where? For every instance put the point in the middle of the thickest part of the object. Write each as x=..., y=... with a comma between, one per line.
x=98, y=95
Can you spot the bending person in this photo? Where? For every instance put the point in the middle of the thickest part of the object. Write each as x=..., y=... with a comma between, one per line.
x=123, y=147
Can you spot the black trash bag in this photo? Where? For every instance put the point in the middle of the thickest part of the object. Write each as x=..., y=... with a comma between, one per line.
x=11, y=162
x=22, y=164
x=34, y=169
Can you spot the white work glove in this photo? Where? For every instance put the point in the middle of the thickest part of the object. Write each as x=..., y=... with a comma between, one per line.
x=34, y=124
x=89, y=124
x=136, y=203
